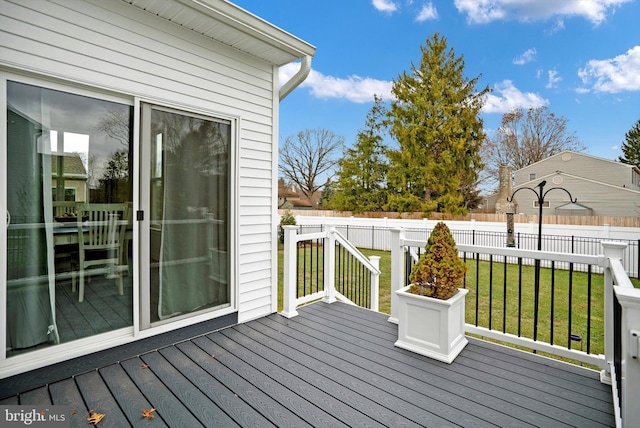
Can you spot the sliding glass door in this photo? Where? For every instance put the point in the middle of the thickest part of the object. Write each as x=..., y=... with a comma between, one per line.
x=186, y=171
x=70, y=241
x=63, y=149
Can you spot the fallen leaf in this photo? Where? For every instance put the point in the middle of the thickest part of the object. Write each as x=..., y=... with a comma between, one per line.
x=148, y=413
x=213, y=355
x=73, y=412
x=145, y=366
x=95, y=418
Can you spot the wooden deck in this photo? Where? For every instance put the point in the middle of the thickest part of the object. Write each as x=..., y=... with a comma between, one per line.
x=333, y=365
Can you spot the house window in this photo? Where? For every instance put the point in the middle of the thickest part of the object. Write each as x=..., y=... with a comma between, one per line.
x=532, y=177
x=69, y=194
x=545, y=204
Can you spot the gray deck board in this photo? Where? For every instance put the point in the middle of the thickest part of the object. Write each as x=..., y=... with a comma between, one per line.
x=312, y=387
x=206, y=411
x=129, y=397
x=390, y=409
x=435, y=392
x=332, y=366
x=274, y=411
x=66, y=392
x=569, y=393
x=36, y=396
x=172, y=410
x=275, y=389
x=99, y=399
x=216, y=392
x=367, y=399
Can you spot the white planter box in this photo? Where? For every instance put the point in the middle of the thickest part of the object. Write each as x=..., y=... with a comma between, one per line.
x=431, y=327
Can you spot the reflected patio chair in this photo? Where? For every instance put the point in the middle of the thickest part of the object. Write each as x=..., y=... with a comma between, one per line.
x=64, y=256
x=101, y=232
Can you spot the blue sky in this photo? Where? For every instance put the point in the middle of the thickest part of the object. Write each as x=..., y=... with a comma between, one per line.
x=580, y=58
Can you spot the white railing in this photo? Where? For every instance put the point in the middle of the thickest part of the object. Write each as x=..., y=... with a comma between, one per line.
x=329, y=292
x=375, y=234
x=622, y=336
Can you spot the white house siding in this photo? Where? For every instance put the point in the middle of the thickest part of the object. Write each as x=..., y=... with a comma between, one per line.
x=120, y=48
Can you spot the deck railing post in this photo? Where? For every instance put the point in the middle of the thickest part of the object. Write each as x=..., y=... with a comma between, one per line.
x=612, y=250
x=289, y=272
x=397, y=264
x=329, y=266
x=629, y=299
x=375, y=283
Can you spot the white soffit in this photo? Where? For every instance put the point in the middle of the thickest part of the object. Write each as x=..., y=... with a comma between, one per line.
x=231, y=25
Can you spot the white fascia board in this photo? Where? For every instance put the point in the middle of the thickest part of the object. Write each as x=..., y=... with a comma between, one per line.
x=253, y=26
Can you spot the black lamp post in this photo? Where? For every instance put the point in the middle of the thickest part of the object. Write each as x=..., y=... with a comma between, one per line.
x=541, y=194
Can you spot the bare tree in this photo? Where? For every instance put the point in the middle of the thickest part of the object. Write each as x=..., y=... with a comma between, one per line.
x=307, y=158
x=526, y=137
x=116, y=124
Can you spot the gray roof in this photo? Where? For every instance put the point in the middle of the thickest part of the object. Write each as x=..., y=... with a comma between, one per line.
x=73, y=165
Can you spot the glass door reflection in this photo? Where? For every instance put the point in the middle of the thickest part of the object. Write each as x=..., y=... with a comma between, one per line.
x=189, y=213
x=62, y=149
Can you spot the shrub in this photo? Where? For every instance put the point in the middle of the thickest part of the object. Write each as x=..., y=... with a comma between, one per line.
x=439, y=271
x=287, y=219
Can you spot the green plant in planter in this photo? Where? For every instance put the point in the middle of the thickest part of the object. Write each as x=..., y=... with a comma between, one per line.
x=287, y=219
x=439, y=271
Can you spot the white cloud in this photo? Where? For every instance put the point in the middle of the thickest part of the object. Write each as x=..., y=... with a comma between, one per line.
x=483, y=11
x=621, y=73
x=528, y=56
x=558, y=26
x=554, y=79
x=384, y=5
x=353, y=88
x=427, y=12
x=509, y=97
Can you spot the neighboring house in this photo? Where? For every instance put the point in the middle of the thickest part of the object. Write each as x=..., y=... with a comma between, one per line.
x=292, y=198
x=73, y=180
x=602, y=187
x=287, y=195
x=175, y=104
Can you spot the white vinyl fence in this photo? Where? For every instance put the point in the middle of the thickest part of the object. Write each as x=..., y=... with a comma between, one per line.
x=574, y=239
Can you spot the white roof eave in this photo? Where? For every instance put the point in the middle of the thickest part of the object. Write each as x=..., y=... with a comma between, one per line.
x=231, y=25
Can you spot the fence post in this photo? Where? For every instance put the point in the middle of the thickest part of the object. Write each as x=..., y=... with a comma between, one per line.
x=375, y=283
x=397, y=254
x=289, y=272
x=612, y=250
x=329, y=266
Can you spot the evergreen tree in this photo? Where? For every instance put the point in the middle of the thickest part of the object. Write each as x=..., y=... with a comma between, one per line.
x=435, y=120
x=631, y=146
x=361, y=174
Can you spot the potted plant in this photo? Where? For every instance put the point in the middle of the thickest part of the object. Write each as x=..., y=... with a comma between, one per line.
x=431, y=314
